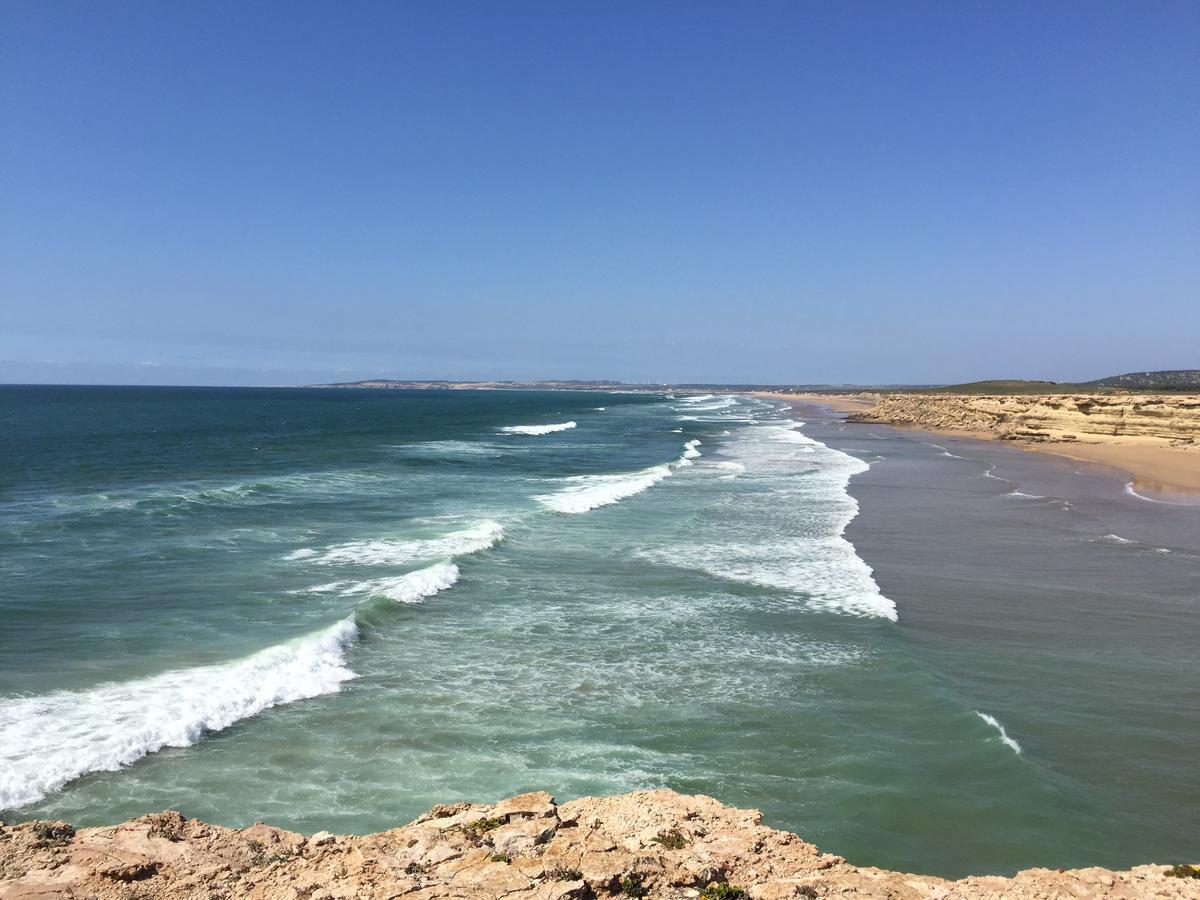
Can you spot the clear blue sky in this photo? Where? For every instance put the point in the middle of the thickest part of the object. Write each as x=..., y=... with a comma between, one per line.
x=258, y=192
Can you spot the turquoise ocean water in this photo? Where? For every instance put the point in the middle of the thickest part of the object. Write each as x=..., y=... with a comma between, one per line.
x=334, y=609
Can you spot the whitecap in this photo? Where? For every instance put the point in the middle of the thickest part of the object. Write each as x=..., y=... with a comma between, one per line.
x=481, y=536
x=991, y=720
x=52, y=739
x=537, y=429
x=586, y=492
x=412, y=587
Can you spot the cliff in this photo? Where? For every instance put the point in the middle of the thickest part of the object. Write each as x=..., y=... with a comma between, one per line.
x=1162, y=419
x=645, y=844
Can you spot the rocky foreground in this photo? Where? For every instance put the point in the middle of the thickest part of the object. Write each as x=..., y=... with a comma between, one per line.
x=644, y=844
x=1168, y=420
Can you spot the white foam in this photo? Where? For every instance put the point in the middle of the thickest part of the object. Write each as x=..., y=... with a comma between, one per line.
x=587, y=492
x=302, y=553
x=1131, y=492
x=734, y=469
x=1115, y=539
x=536, y=429
x=944, y=452
x=478, y=537
x=52, y=739
x=600, y=408
x=991, y=720
x=410, y=588
x=786, y=529
x=455, y=449
x=988, y=474
x=1023, y=496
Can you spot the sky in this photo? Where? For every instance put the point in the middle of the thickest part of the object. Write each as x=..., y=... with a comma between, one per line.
x=794, y=192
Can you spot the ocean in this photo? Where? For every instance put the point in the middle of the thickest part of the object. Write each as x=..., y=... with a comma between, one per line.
x=333, y=609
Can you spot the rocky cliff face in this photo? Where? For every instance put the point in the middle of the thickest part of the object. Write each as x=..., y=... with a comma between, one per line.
x=1168, y=420
x=645, y=844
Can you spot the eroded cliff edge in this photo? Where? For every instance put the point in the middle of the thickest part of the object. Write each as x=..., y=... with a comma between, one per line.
x=1158, y=419
x=649, y=843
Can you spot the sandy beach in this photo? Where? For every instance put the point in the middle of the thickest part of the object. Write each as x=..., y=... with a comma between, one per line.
x=1153, y=464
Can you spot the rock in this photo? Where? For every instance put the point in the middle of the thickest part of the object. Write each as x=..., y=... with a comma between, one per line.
x=521, y=836
x=538, y=805
x=585, y=848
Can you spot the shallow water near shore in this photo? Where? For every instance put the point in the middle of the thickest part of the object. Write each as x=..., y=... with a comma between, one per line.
x=335, y=609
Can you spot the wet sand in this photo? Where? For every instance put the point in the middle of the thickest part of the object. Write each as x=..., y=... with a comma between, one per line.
x=1043, y=593
x=1152, y=468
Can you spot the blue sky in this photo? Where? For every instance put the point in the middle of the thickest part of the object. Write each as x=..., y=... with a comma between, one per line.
x=263, y=193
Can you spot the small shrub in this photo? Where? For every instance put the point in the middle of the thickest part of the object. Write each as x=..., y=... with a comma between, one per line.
x=1183, y=871
x=501, y=857
x=53, y=834
x=416, y=868
x=631, y=886
x=565, y=873
x=719, y=891
x=260, y=857
x=480, y=827
x=672, y=840
x=807, y=890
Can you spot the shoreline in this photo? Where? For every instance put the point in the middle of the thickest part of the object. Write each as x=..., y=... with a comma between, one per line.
x=655, y=843
x=1171, y=474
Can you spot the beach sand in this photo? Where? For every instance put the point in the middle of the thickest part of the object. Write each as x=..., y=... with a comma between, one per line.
x=1152, y=466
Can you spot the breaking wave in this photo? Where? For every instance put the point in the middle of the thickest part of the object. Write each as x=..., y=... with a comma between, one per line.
x=785, y=528
x=1004, y=738
x=412, y=587
x=587, y=492
x=52, y=739
x=536, y=429
x=480, y=536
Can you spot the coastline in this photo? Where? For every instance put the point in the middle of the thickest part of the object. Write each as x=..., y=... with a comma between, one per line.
x=644, y=844
x=1151, y=467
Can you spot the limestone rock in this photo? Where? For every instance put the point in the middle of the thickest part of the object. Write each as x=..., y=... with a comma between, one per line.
x=524, y=847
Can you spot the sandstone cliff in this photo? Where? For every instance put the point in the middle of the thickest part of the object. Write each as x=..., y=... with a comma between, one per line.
x=645, y=844
x=1165, y=420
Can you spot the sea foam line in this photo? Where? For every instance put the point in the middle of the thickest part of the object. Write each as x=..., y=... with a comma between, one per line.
x=412, y=587
x=991, y=720
x=52, y=739
x=587, y=492
x=795, y=540
x=481, y=536
x=537, y=429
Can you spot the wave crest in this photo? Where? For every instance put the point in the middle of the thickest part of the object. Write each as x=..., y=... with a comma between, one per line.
x=52, y=739
x=480, y=536
x=537, y=429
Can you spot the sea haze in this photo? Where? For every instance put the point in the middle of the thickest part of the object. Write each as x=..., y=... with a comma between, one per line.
x=333, y=609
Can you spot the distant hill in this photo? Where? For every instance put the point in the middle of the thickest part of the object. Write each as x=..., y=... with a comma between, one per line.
x=1168, y=380
x=1004, y=386
x=1173, y=380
